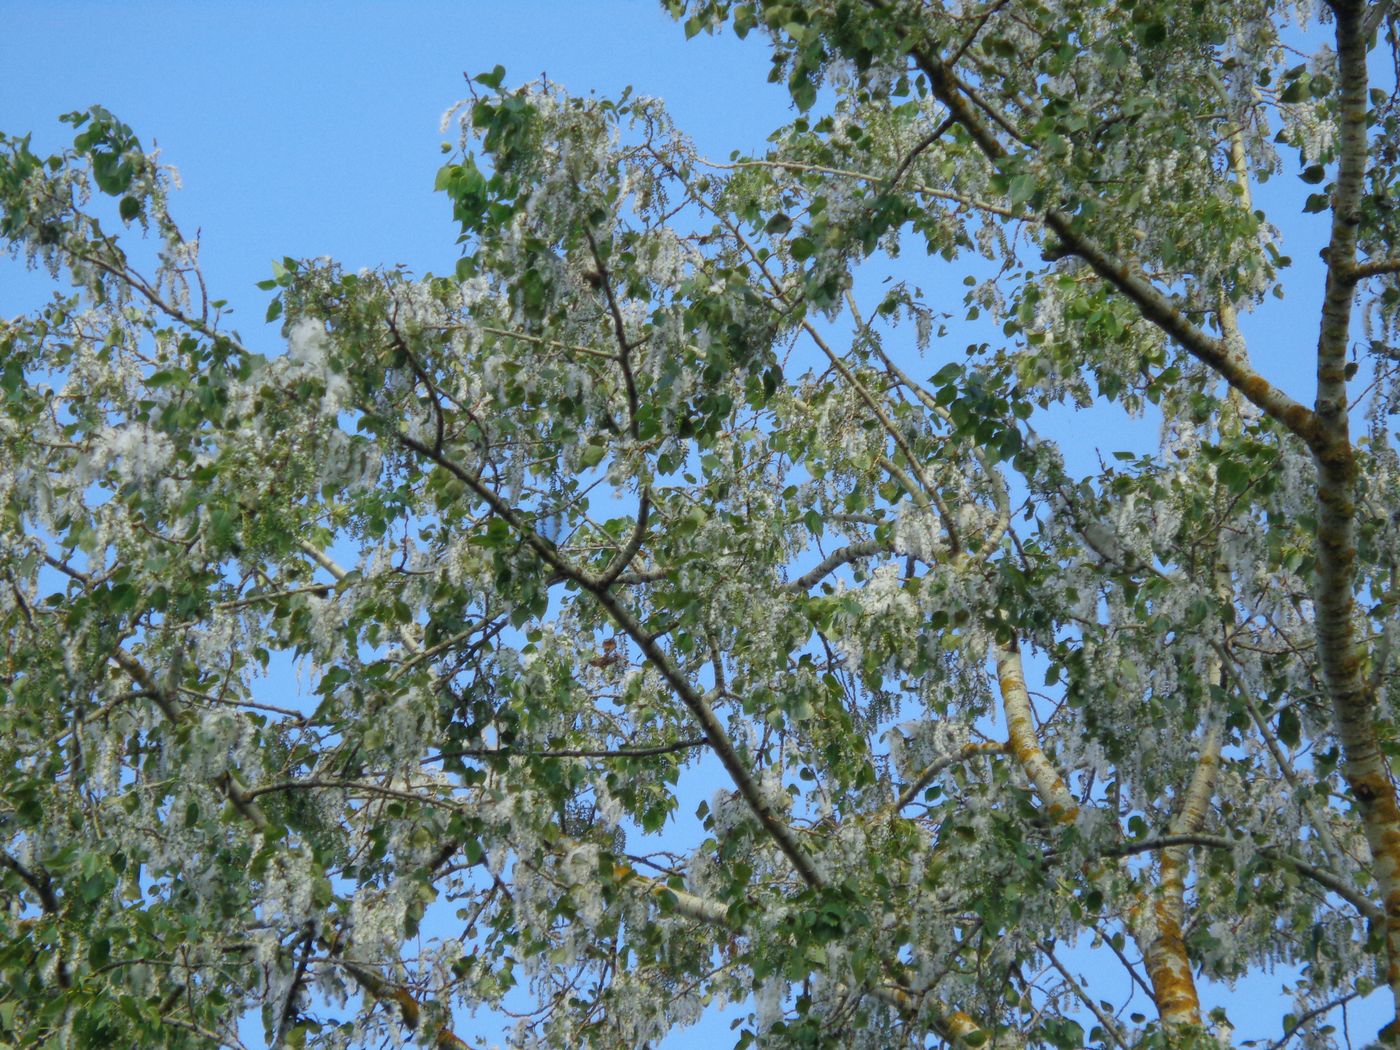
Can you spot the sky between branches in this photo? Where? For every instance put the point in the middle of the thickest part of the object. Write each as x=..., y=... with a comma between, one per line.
x=312, y=129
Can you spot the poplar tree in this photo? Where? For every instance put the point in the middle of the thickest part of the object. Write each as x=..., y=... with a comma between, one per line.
x=689, y=468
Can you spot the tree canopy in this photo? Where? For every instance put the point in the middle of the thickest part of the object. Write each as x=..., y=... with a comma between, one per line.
x=664, y=477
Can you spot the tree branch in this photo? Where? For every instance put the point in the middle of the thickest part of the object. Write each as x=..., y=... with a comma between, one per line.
x=1341, y=653
x=227, y=782
x=1061, y=806
x=1363, y=904
x=843, y=556
x=691, y=697
x=1106, y=1021
x=1360, y=271
x=620, y=752
x=963, y=754
x=1151, y=303
x=1164, y=953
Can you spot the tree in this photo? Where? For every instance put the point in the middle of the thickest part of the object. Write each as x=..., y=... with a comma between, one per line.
x=655, y=478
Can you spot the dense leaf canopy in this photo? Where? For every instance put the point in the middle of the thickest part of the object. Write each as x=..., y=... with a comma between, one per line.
x=664, y=478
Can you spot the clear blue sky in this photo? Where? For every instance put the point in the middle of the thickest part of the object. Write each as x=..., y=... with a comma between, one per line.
x=308, y=129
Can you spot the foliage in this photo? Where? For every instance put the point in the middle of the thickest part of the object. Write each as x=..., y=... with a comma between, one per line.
x=655, y=481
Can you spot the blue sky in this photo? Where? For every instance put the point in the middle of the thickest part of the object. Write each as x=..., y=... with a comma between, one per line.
x=309, y=129
x=313, y=128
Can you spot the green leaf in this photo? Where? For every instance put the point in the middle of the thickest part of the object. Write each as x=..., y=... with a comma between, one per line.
x=1021, y=189
x=492, y=79
x=592, y=454
x=166, y=377
x=99, y=951
x=221, y=528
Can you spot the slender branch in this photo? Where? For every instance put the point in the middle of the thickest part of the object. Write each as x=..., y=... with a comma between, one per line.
x=923, y=144
x=865, y=176
x=1302, y=1019
x=360, y=787
x=837, y=558
x=926, y=775
x=410, y=1009
x=982, y=20
x=1106, y=1021
x=634, y=544
x=1125, y=962
x=1285, y=767
x=624, y=348
x=204, y=1033
x=909, y=485
x=318, y=589
x=618, y=752
x=901, y=442
x=431, y=651
x=690, y=696
x=289, y=1012
x=553, y=344
x=1325, y=879
x=338, y=573
x=1000, y=496
x=322, y=559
